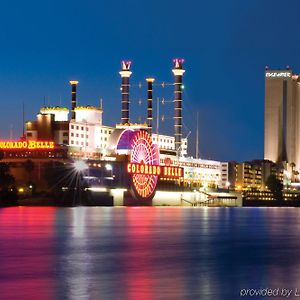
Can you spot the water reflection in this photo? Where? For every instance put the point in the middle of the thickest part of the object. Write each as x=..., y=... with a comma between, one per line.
x=146, y=253
x=26, y=253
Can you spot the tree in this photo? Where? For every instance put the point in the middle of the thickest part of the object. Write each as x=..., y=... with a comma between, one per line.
x=275, y=186
x=8, y=194
x=29, y=167
x=293, y=165
x=6, y=179
x=296, y=173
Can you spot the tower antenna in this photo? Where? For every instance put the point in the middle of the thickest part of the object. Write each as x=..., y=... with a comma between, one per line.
x=197, y=137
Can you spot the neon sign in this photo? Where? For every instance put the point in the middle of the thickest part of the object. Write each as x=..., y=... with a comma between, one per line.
x=27, y=145
x=144, y=168
x=165, y=171
x=143, y=153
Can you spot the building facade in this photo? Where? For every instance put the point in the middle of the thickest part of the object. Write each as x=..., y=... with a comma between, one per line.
x=282, y=117
x=253, y=175
x=87, y=136
x=51, y=124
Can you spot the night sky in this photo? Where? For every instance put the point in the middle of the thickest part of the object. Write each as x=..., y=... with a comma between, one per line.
x=226, y=46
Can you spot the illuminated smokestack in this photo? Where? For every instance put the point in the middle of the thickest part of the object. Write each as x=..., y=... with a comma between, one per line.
x=74, y=99
x=125, y=75
x=178, y=87
x=149, y=103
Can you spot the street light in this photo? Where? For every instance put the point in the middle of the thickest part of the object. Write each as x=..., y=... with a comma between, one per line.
x=108, y=167
x=80, y=166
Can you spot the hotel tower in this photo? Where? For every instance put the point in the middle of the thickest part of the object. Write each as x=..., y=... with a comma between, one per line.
x=282, y=116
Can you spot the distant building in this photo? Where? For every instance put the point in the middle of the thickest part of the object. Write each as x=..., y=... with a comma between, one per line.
x=282, y=117
x=253, y=175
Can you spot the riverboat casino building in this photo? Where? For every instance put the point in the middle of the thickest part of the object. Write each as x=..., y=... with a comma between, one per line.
x=151, y=160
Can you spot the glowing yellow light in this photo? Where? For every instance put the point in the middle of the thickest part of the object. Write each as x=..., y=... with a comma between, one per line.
x=74, y=81
x=150, y=79
x=21, y=190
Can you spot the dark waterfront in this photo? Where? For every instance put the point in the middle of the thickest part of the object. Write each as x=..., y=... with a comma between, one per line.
x=146, y=253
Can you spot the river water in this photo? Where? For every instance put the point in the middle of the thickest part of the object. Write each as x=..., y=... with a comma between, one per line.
x=147, y=253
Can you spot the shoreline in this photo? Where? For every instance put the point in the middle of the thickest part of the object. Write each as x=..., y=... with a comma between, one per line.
x=47, y=201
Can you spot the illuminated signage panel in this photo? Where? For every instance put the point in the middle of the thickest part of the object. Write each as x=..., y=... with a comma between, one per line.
x=278, y=74
x=27, y=145
x=164, y=171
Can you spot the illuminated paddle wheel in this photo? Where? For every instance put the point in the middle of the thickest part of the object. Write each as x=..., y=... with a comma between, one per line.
x=144, y=152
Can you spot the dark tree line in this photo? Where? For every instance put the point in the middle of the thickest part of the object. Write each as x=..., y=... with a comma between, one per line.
x=8, y=191
x=276, y=187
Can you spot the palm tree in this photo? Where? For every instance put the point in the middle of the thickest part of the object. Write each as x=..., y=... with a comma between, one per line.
x=293, y=165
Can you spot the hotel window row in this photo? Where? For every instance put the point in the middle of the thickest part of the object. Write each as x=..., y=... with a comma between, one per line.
x=77, y=127
x=77, y=143
x=77, y=135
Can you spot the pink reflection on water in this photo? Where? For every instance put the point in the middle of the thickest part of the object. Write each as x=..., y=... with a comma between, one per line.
x=26, y=264
x=143, y=271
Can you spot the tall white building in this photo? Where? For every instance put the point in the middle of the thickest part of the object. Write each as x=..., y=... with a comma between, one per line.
x=87, y=135
x=282, y=117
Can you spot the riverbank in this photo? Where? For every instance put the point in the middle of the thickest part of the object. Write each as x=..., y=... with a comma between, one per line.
x=37, y=201
x=271, y=203
x=49, y=201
